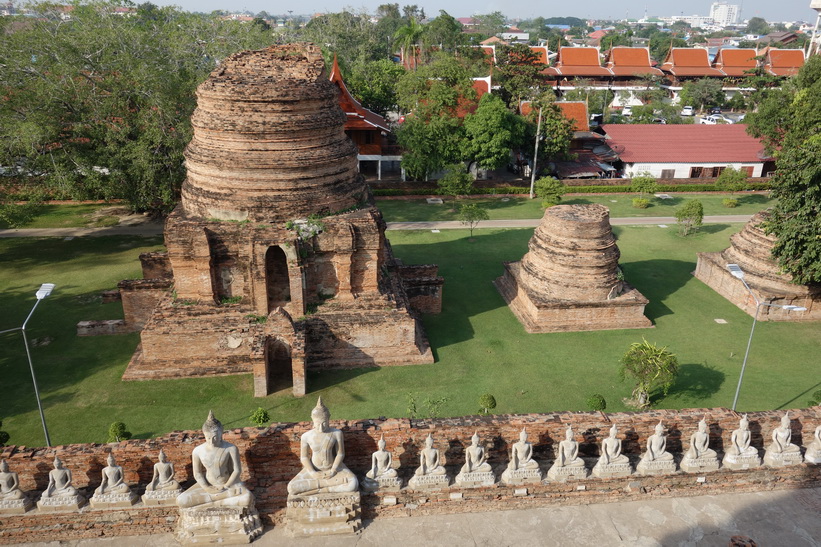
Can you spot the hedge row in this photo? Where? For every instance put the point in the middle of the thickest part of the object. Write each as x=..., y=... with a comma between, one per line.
x=592, y=189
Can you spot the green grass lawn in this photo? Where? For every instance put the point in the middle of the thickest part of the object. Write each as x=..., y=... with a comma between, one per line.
x=621, y=205
x=479, y=345
x=62, y=216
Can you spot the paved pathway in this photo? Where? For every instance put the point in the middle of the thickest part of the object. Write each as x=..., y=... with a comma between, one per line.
x=776, y=518
x=156, y=228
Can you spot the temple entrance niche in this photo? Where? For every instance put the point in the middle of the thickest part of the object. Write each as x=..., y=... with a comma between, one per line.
x=277, y=282
x=279, y=370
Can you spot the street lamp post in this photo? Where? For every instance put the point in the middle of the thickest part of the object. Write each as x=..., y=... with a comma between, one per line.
x=737, y=272
x=44, y=290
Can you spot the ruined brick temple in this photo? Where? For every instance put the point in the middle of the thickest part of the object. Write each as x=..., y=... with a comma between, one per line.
x=570, y=279
x=277, y=260
x=751, y=249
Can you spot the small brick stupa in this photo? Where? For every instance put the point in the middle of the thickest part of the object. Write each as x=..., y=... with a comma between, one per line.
x=276, y=253
x=570, y=280
x=751, y=249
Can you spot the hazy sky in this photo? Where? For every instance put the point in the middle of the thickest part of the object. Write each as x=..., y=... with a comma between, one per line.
x=787, y=10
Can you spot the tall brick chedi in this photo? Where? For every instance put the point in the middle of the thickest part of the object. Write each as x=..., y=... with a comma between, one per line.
x=277, y=254
x=570, y=280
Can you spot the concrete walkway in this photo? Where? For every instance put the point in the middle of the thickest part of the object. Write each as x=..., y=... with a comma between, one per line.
x=776, y=518
x=156, y=228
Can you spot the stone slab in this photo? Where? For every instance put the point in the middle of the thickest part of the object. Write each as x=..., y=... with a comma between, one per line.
x=475, y=480
x=323, y=514
x=737, y=463
x=567, y=472
x=62, y=503
x=813, y=456
x=161, y=497
x=698, y=465
x=224, y=525
x=387, y=484
x=15, y=507
x=521, y=476
x=428, y=482
x=612, y=470
x=773, y=459
x=113, y=500
x=664, y=467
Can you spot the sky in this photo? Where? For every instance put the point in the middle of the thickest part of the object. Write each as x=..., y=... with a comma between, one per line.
x=786, y=10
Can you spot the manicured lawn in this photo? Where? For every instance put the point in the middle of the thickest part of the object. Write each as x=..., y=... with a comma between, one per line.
x=62, y=216
x=479, y=345
x=620, y=205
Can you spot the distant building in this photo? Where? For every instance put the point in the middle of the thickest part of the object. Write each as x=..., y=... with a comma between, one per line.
x=725, y=14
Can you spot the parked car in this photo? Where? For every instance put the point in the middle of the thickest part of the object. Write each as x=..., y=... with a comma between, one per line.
x=714, y=110
x=714, y=119
x=688, y=111
x=627, y=111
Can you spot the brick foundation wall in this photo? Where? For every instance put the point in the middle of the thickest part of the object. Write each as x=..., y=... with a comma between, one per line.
x=270, y=458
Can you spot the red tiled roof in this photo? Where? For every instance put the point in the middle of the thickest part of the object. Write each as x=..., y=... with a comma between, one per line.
x=630, y=61
x=542, y=52
x=735, y=62
x=784, y=62
x=689, y=62
x=576, y=112
x=657, y=143
x=578, y=61
x=358, y=116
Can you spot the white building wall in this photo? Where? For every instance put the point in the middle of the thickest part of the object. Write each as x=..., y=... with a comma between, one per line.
x=682, y=170
x=725, y=14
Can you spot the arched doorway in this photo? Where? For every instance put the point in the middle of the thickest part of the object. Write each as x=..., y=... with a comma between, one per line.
x=277, y=282
x=278, y=365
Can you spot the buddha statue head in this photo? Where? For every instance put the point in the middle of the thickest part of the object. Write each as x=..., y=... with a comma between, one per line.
x=212, y=429
x=744, y=424
x=523, y=435
x=381, y=443
x=568, y=434
x=614, y=431
x=659, y=428
x=4, y=466
x=58, y=464
x=110, y=460
x=162, y=456
x=702, y=425
x=429, y=441
x=785, y=421
x=320, y=415
x=474, y=441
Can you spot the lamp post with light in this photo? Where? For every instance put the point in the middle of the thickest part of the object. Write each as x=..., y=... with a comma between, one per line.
x=44, y=290
x=738, y=273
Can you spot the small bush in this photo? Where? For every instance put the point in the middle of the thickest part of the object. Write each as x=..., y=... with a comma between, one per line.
x=641, y=203
x=4, y=436
x=596, y=402
x=260, y=417
x=815, y=401
x=456, y=182
x=729, y=203
x=550, y=190
x=487, y=402
x=689, y=216
x=117, y=432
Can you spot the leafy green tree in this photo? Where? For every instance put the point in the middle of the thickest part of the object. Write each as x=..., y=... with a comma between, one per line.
x=444, y=32
x=260, y=417
x=350, y=35
x=597, y=402
x=373, y=83
x=429, y=143
x=703, y=92
x=487, y=402
x=689, y=217
x=490, y=24
x=613, y=39
x=660, y=44
x=731, y=180
x=491, y=132
x=653, y=368
x=644, y=183
x=100, y=105
x=408, y=39
x=757, y=25
x=456, y=182
x=117, y=432
x=556, y=130
x=550, y=190
x=517, y=74
x=471, y=214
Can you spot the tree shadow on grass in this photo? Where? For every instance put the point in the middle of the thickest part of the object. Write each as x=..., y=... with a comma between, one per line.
x=697, y=382
x=656, y=280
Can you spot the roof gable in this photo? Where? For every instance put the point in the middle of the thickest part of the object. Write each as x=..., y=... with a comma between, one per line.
x=355, y=112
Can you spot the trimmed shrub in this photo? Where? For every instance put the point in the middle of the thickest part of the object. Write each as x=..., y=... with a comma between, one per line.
x=729, y=203
x=596, y=402
x=641, y=203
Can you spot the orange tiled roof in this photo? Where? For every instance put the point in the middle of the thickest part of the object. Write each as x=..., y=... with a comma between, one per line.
x=630, y=61
x=542, y=52
x=576, y=112
x=783, y=62
x=578, y=61
x=735, y=62
x=358, y=117
x=683, y=61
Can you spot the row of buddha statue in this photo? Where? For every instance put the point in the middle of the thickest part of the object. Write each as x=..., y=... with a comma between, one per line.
x=325, y=482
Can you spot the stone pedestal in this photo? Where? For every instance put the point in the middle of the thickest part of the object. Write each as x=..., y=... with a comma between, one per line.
x=113, y=500
x=15, y=507
x=656, y=467
x=475, y=479
x=566, y=472
x=61, y=503
x=612, y=470
x=323, y=514
x=699, y=465
x=386, y=484
x=518, y=477
x=782, y=459
x=226, y=525
x=429, y=482
x=155, y=498
x=737, y=462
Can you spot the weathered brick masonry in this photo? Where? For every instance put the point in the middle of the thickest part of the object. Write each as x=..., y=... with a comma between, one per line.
x=271, y=459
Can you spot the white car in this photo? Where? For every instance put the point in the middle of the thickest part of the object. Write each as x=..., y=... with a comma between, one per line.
x=714, y=119
x=688, y=111
x=627, y=111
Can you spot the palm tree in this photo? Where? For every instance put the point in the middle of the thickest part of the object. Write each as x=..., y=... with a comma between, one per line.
x=407, y=38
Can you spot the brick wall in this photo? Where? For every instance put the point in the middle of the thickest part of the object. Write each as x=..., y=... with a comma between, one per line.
x=270, y=457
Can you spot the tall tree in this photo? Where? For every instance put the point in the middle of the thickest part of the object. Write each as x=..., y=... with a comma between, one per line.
x=703, y=92
x=408, y=39
x=757, y=25
x=491, y=132
x=444, y=32
x=518, y=74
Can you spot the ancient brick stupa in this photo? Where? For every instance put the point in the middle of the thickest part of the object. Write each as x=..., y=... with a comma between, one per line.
x=751, y=249
x=570, y=280
x=277, y=255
